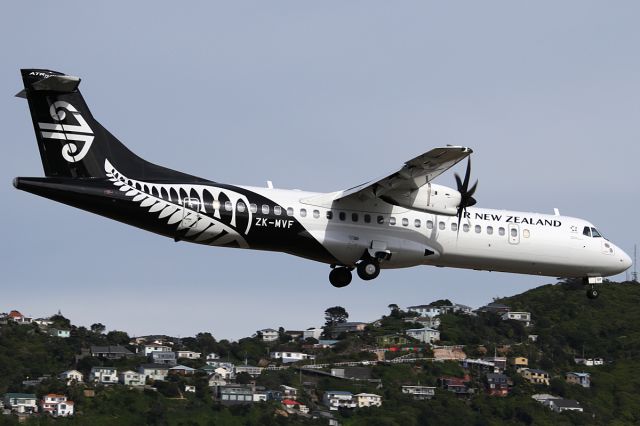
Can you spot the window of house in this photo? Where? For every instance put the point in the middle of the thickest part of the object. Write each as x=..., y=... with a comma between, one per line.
x=465, y=227
x=501, y=230
x=265, y=209
x=405, y=221
x=241, y=206
x=441, y=225
x=289, y=211
x=316, y=214
x=417, y=223
x=303, y=212
x=253, y=208
x=277, y=210
x=429, y=224
x=354, y=217
x=342, y=215
x=392, y=220
x=367, y=218
x=329, y=214
x=478, y=229
x=490, y=230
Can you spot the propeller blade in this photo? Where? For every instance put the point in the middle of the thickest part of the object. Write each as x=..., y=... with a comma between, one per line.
x=467, y=174
x=458, y=182
x=473, y=189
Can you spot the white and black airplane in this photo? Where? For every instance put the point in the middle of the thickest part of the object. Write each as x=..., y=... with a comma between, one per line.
x=400, y=220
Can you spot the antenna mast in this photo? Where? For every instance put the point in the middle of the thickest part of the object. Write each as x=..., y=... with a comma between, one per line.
x=634, y=274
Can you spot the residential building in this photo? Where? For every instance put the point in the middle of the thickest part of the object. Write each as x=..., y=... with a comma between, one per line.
x=249, y=369
x=535, y=376
x=260, y=396
x=576, y=378
x=428, y=322
x=294, y=334
x=190, y=388
x=216, y=380
x=368, y=400
x=457, y=385
x=425, y=310
x=59, y=332
x=154, y=371
x=498, y=384
x=359, y=373
x=110, y=352
x=533, y=338
x=589, y=362
x=104, y=375
x=154, y=347
x=493, y=307
x=166, y=358
x=291, y=404
x=519, y=362
x=348, y=327
x=188, y=354
x=287, y=357
x=212, y=357
x=543, y=398
x=234, y=394
x=57, y=405
x=313, y=332
x=326, y=343
x=131, y=378
x=338, y=399
x=274, y=395
x=228, y=373
x=289, y=392
x=268, y=334
x=182, y=370
x=420, y=392
x=425, y=335
x=456, y=308
x=500, y=362
x=560, y=405
x=71, y=376
x=391, y=340
x=23, y=403
x=17, y=317
x=43, y=322
x=523, y=317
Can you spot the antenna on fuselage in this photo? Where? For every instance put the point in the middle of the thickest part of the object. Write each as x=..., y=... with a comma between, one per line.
x=634, y=274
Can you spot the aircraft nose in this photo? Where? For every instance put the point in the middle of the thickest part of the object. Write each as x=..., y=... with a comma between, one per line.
x=625, y=260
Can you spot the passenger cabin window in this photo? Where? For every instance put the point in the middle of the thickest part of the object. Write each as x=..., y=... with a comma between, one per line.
x=501, y=230
x=265, y=209
x=277, y=210
x=316, y=214
x=478, y=229
x=490, y=230
x=354, y=217
x=303, y=212
x=441, y=225
x=367, y=218
x=392, y=220
x=380, y=220
x=595, y=233
x=417, y=223
x=526, y=233
x=253, y=208
x=586, y=231
x=429, y=224
x=228, y=206
x=465, y=227
x=405, y=221
x=241, y=206
x=342, y=215
x=289, y=211
x=329, y=214
x=454, y=226
x=514, y=232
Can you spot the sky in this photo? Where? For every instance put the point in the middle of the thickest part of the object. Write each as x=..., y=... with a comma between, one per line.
x=319, y=96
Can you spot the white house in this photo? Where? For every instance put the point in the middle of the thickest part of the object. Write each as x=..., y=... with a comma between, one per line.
x=368, y=400
x=162, y=357
x=189, y=388
x=154, y=347
x=524, y=317
x=188, y=354
x=289, y=392
x=286, y=357
x=43, y=322
x=268, y=334
x=259, y=396
x=131, y=378
x=560, y=405
x=420, y=392
x=338, y=399
x=425, y=310
x=71, y=376
x=21, y=402
x=426, y=335
x=313, y=332
x=57, y=405
x=217, y=380
x=212, y=356
x=106, y=375
x=249, y=369
x=59, y=332
x=428, y=322
x=154, y=371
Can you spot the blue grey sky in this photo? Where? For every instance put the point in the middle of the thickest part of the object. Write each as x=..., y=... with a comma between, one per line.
x=319, y=96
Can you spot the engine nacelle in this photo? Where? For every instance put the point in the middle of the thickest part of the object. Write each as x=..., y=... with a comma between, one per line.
x=429, y=198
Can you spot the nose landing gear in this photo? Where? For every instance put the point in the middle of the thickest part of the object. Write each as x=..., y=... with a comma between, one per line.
x=592, y=291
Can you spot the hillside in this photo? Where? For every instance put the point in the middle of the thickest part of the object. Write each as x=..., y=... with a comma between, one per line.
x=566, y=324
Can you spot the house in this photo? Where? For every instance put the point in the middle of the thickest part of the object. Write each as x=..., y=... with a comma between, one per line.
x=420, y=392
x=234, y=394
x=71, y=376
x=348, y=327
x=500, y=362
x=391, y=340
x=18, y=318
x=59, y=332
x=188, y=354
x=495, y=308
x=212, y=356
x=425, y=335
x=519, y=362
x=368, y=400
x=167, y=358
x=216, y=380
x=543, y=398
x=268, y=334
x=274, y=395
x=290, y=404
x=286, y=357
x=325, y=343
x=56, y=405
x=154, y=371
x=294, y=334
x=358, y=373
x=110, y=352
x=190, y=388
x=251, y=370
x=43, y=322
x=227, y=373
x=582, y=379
x=523, y=317
x=155, y=347
x=559, y=405
x=589, y=362
x=428, y=322
x=313, y=332
x=338, y=399
x=535, y=376
x=457, y=385
x=105, y=375
x=498, y=384
x=182, y=370
x=425, y=310
x=456, y=308
x=289, y=392
x=533, y=338
x=131, y=378
x=37, y=381
x=23, y=403
x=260, y=396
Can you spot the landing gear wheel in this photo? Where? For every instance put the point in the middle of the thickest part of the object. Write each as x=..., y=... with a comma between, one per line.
x=368, y=269
x=340, y=277
x=593, y=293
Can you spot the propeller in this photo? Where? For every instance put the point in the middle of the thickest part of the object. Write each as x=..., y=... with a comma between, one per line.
x=466, y=193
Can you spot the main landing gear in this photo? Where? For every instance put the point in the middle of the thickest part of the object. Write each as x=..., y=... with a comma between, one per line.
x=340, y=276
x=368, y=268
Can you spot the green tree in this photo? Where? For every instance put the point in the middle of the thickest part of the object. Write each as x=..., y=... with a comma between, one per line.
x=335, y=315
x=98, y=328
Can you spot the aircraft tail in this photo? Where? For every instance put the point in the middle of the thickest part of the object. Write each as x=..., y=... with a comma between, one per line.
x=72, y=143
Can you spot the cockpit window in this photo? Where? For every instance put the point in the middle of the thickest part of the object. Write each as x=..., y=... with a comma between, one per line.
x=595, y=233
x=586, y=231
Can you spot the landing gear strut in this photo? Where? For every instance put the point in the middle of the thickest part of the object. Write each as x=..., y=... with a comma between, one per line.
x=592, y=292
x=340, y=276
x=368, y=269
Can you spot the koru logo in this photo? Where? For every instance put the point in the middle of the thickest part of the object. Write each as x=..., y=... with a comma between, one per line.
x=67, y=132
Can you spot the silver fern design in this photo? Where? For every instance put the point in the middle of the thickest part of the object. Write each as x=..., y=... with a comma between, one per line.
x=196, y=211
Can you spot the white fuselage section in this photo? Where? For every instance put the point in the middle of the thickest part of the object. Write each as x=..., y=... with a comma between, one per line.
x=488, y=239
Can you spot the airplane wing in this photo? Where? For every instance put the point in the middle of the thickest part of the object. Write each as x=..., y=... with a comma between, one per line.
x=413, y=174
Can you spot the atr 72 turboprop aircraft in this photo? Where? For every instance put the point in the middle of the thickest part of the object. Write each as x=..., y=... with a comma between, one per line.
x=398, y=221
